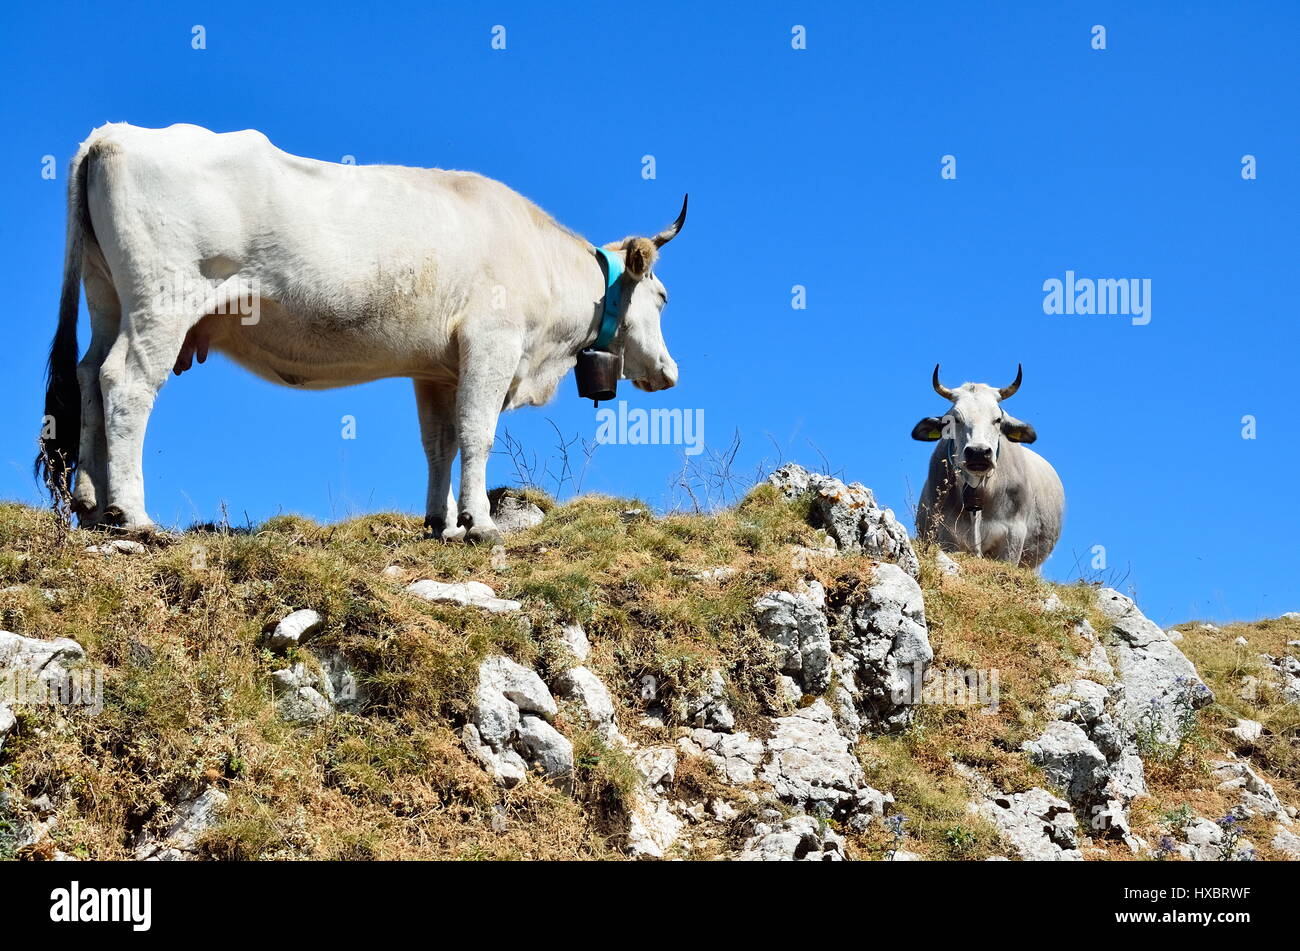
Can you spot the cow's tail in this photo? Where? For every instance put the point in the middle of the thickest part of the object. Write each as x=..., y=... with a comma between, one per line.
x=61, y=426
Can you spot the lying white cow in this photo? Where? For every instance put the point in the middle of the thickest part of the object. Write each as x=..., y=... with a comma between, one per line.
x=317, y=275
x=986, y=492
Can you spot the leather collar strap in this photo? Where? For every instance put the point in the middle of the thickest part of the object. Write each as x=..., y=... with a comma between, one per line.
x=612, y=304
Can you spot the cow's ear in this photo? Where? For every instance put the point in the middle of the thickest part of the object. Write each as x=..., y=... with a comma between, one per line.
x=1017, y=431
x=639, y=256
x=929, y=429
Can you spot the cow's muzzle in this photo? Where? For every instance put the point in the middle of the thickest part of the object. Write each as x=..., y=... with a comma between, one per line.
x=665, y=378
x=978, y=459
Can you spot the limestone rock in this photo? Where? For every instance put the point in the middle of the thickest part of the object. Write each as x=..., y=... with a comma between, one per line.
x=1159, y=681
x=709, y=709
x=850, y=515
x=1286, y=842
x=575, y=639
x=1255, y=796
x=798, y=627
x=1095, y=661
x=546, y=747
x=657, y=766
x=300, y=695
x=290, y=631
x=512, y=513
x=798, y=839
x=812, y=767
x=1069, y=760
x=1287, y=671
x=1081, y=701
x=117, y=546
x=1038, y=825
x=44, y=662
x=1207, y=841
x=470, y=593
x=180, y=840
x=735, y=755
x=509, y=726
x=1247, y=732
x=882, y=649
x=582, y=686
x=343, y=685
x=652, y=829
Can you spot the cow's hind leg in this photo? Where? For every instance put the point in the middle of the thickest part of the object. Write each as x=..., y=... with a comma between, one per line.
x=437, y=407
x=91, y=490
x=132, y=372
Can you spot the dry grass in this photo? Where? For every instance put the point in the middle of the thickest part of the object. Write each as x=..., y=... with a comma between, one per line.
x=177, y=633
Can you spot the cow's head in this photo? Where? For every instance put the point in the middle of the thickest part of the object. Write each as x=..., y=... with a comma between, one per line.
x=646, y=360
x=976, y=424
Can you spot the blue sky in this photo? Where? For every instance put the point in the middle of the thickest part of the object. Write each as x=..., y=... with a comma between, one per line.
x=818, y=167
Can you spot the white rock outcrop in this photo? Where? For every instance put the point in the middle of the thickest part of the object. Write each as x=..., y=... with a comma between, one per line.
x=28, y=663
x=511, y=513
x=1255, y=796
x=586, y=689
x=1038, y=825
x=811, y=766
x=736, y=756
x=798, y=839
x=797, y=625
x=300, y=695
x=293, y=629
x=850, y=515
x=709, y=707
x=510, y=726
x=44, y=662
x=1160, y=683
x=180, y=840
x=881, y=650
x=469, y=593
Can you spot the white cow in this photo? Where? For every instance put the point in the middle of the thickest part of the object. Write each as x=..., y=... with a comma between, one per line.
x=986, y=492
x=317, y=275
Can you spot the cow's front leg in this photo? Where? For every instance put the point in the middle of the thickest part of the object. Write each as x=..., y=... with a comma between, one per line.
x=486, y=369
x=437, y=407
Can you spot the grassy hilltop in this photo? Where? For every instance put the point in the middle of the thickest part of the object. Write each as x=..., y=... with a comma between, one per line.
x=178, y=631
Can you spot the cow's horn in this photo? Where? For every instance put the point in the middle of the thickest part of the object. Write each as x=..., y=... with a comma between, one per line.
x=1011, y=390
x=663, y=237
x=939, y=387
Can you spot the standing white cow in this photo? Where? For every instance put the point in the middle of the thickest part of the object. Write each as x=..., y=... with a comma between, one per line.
x=986, y=492
x=317, y=275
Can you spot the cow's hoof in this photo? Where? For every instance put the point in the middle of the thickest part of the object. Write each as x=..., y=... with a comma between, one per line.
x=88, y=515
x=437, y=528
x=114, y=518
x=482, y=536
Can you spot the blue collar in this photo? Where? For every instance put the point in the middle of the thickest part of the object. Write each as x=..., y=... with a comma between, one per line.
x=612, y=265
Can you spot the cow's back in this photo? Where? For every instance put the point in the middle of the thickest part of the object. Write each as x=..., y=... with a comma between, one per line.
x=360, y=271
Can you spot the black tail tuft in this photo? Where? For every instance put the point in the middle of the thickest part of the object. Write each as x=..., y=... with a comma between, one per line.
x=61, y=426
